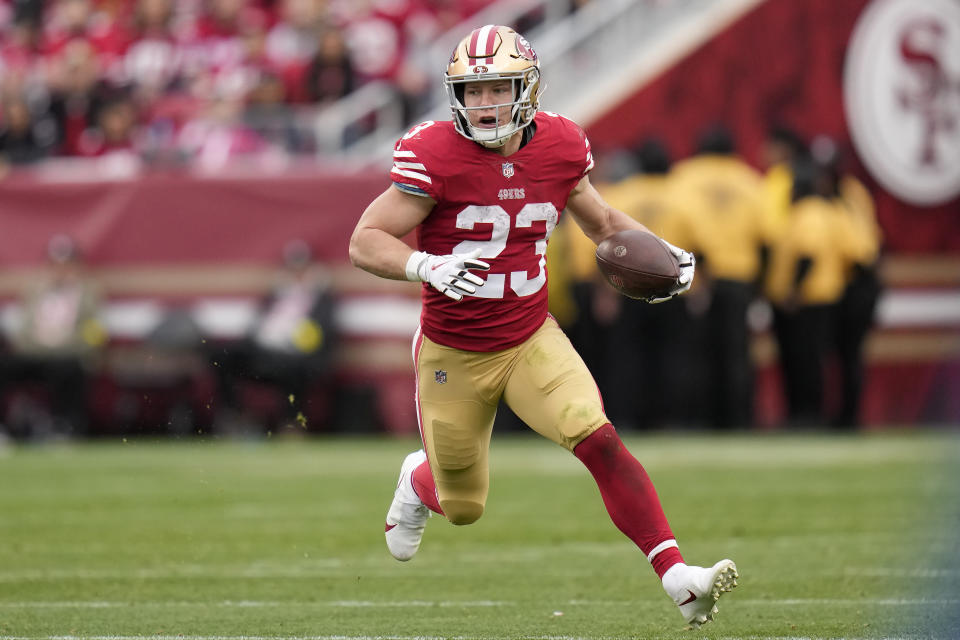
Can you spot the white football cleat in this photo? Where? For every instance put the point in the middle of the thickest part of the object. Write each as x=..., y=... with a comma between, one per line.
x=408, y=515
x=696, y=589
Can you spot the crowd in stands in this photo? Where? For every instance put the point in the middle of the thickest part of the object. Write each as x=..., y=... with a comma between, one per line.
x=801, y=239
x=188, y=80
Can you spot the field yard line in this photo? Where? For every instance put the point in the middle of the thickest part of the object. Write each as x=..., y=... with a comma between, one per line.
x=329, y=567
x=107, y=604
x=886, y=572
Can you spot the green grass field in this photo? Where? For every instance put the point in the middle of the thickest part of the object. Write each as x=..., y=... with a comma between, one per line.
x=835, y=537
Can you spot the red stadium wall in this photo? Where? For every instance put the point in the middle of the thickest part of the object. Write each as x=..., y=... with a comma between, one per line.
x=782, y=62
x=161, y=242
x=168, y=219
x=181, y=237
x=184, y=240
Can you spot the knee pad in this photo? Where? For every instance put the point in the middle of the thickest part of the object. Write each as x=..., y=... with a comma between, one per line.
x=455, y=449
x=461, y=512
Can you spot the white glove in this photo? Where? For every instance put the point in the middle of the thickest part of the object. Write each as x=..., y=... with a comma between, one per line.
x=449, y=274
x=687, y=264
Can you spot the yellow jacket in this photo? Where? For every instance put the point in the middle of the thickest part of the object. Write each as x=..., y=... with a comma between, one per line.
x=821, y=230
x=644, y=197
x=857, y=202
x=777, y=185
x=719, y=215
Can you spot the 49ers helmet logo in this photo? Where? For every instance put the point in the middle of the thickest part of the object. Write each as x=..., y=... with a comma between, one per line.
x=902, y=97
x=524, y=49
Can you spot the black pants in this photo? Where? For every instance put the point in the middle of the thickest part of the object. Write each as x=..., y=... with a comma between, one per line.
x=292, y=375
x=852, y=321
x=637, y=360
x=803, y=337
x=65, y=380
x=727, y=355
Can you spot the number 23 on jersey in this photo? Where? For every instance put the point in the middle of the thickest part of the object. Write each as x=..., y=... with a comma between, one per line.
x=519, y=281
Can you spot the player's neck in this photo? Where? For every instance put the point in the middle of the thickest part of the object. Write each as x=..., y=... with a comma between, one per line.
x=512, y=146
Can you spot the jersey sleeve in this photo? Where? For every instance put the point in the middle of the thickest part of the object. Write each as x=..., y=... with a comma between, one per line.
x=413, y=171
x=588, y=157
x=577, y=144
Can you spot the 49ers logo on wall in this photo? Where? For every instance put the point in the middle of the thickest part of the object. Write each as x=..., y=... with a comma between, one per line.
x=902, y=97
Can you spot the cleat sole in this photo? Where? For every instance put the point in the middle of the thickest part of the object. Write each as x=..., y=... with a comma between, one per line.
x=725, y=582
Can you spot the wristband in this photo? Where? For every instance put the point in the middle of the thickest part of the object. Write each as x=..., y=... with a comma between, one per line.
x=413, y=264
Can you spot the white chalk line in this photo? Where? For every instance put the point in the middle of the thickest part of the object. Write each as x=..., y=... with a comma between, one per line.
x=329, y=567
x=387, y=604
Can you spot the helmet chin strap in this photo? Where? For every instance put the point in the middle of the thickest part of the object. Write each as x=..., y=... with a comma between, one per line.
x=495, y=143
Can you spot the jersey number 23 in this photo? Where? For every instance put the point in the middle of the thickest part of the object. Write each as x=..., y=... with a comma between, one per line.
x=495, y=215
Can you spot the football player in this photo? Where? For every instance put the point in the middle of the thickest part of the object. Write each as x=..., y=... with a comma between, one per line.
x=483, y=192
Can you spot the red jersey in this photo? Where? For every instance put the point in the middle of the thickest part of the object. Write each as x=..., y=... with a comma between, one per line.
x=505, y=206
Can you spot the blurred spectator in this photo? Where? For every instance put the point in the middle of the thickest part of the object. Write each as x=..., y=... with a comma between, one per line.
x=781, y=148
x=76, y=91
x=855, y=312
x=808, y=269
x=292, y=41
x=379, y=43
x=720, y=218
x=153, y=61
x=289, y=347
x=82, y=20
x=21, y=45
x=59, y=336
x=21, y=140
x=114, y=132
x=330, y=75
x=220, y=135
x=268, y=115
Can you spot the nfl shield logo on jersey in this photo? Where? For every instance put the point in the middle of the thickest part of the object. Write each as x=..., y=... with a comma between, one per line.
x=440, y=376
x=507, y=169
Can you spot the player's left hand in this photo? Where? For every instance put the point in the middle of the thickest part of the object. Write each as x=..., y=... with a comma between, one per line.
x=687, y=264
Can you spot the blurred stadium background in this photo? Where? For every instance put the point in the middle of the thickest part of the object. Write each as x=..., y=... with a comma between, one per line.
x=178, y=182
x=183, y=151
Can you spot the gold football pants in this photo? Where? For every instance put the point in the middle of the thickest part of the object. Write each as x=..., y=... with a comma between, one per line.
x=543, y=380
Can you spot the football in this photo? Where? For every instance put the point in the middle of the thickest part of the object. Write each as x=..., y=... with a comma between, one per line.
x=638, y=264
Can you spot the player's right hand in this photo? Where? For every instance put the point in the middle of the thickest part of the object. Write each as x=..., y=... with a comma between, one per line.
x=450, y=274
x=687, y=264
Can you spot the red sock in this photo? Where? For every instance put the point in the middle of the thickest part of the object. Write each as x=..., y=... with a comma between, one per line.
x=629, y=496
x=425, y=487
